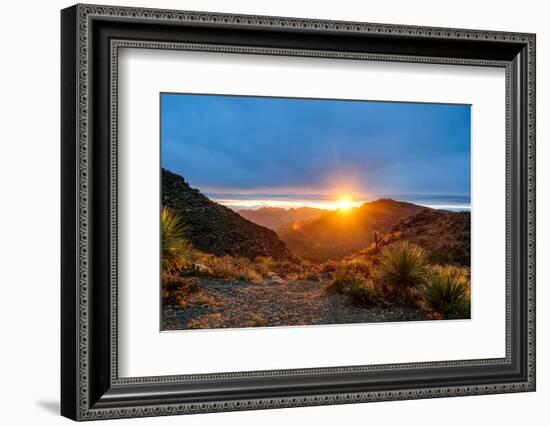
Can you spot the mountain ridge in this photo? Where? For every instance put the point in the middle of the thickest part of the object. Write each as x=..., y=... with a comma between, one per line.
x=275, y=217
x=339, y=233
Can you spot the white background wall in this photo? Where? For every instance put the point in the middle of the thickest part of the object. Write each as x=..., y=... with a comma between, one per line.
x=29, y=214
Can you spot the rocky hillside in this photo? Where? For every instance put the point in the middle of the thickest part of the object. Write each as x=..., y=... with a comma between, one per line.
x=275, y=217
x=336, y=234
x=444, y=235
x=216, y=229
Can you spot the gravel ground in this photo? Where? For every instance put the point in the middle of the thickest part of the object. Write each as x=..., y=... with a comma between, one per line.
x=237, y=304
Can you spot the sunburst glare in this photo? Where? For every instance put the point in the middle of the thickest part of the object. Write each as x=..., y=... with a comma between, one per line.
x=344, y=203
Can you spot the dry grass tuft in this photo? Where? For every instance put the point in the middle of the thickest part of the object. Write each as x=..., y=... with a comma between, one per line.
x=229, y=267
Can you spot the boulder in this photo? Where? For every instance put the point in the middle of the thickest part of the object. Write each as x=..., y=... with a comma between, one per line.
x=275, y=279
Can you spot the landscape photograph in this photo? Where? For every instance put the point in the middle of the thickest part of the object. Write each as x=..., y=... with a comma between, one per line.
x=279, y=211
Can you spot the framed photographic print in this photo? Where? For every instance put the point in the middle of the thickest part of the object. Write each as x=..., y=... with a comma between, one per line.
x=263, y=212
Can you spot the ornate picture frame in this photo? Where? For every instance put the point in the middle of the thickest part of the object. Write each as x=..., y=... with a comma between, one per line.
x=91, y=37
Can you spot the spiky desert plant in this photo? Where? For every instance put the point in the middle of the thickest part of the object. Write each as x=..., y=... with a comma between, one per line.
x=401, y=271
x=176, y=250
x=447, y=291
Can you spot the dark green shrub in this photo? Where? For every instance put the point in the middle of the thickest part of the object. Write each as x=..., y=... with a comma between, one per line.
x=400, y=272
x=447, y=291
x=361, y=294
x=352, y=285
x=340, y=282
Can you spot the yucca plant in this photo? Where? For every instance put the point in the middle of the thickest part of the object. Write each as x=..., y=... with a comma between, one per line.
x=447, y=291
x=401, y=271
x=176, y=250
x=342, y=281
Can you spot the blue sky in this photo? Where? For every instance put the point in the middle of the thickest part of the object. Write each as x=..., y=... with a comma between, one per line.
x=253, y=151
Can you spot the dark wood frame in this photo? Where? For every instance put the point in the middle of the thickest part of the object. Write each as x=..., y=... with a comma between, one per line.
x=90, y=386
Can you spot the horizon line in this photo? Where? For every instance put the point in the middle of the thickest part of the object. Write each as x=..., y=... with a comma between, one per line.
x=237, y=205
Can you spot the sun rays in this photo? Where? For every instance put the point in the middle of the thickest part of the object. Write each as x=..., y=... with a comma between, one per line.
x=344, y=203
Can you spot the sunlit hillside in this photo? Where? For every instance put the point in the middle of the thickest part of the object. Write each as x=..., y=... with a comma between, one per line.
x=339, y=233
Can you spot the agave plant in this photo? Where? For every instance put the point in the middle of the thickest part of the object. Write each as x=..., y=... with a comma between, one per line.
x=447, y=291
x=401, y=271
x=176, y=250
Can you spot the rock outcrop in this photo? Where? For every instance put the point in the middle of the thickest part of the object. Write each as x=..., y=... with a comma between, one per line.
x=444, y=235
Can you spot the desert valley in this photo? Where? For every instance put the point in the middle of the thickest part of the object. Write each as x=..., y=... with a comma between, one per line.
x=384, y=260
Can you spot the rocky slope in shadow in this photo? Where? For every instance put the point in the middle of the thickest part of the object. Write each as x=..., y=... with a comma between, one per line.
x=216, y=229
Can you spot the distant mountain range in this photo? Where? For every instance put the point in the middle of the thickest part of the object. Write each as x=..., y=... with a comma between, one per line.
x=275, y=217
x=216, y=229
x=315, y=234
x=336, y=234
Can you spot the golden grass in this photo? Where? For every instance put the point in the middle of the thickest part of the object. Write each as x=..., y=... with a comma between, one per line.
x=358, y=266
x=229, y=267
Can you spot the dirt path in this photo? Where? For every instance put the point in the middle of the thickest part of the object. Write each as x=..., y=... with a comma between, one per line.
x=237, y=304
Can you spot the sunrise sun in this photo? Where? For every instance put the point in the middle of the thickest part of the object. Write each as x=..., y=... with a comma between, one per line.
x=344, y=203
